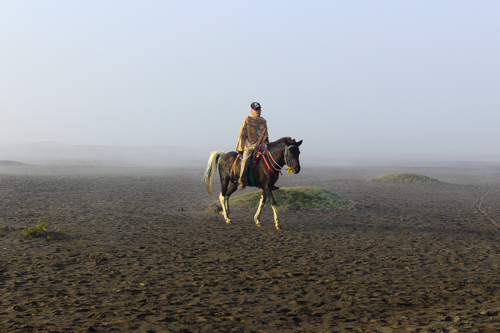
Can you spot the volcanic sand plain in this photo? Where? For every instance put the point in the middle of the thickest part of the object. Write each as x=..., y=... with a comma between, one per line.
x=131, y=249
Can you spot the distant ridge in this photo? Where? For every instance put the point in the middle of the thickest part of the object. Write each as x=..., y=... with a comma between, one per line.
x=7, y=162
x=56, y=154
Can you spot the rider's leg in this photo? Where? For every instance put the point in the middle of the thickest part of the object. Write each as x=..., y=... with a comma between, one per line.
x=247, y=154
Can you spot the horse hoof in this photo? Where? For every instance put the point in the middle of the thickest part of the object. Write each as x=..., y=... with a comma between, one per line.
x=258, y=224
x=229, y=222
x=278, y=227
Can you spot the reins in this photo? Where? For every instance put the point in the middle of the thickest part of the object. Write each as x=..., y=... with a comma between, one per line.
x=287, y=160
x=271, y=168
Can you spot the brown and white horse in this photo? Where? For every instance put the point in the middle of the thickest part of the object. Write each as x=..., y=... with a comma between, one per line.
x=264, y=174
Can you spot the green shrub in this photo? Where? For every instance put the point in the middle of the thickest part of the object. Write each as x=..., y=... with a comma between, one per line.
x=406, y=178
x=34, y=231
x=40, y=227
x=296, y=198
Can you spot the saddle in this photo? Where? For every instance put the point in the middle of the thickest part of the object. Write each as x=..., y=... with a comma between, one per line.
x=257, y=153
x=255, y=157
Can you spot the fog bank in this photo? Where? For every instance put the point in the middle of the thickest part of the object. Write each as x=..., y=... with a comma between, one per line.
x=170, y=156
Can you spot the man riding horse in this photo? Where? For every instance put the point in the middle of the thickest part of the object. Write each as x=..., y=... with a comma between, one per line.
x=253, y=133
x=266, y=171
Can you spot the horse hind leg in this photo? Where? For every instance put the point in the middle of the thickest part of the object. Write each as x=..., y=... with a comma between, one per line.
x=224, y=201
x=232, y=188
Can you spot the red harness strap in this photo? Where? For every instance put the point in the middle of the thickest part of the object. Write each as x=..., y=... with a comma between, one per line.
x=269, y=167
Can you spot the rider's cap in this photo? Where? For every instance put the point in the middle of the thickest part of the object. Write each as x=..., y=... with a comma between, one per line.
x=255, y=106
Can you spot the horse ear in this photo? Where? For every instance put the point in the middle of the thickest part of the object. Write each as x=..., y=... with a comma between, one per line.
x=299, y=143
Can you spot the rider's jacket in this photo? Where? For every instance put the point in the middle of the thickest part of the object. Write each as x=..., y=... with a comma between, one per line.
x=253, y=132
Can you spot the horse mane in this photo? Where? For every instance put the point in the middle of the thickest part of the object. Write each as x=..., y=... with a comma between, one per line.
x=278, y=143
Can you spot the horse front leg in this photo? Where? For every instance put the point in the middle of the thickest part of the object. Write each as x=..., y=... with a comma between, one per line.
x=276, y=221
x=275, y=208
x=259, y=210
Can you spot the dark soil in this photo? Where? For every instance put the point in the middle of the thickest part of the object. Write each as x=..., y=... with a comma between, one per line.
x=133, y=250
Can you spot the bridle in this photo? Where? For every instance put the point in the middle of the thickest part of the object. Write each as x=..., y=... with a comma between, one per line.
x=287, y=159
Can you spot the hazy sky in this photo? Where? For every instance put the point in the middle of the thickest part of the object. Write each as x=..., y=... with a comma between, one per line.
x=362, y=75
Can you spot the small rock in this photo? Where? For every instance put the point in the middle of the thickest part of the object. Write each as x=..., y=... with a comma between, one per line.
x=17, y=308
x=450, y=330
x=180, y=209
x=489, y=313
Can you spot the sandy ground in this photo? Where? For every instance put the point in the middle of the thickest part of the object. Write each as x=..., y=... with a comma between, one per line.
x=136, y=252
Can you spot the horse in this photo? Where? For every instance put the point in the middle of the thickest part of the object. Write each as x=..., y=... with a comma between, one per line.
x=263, y=174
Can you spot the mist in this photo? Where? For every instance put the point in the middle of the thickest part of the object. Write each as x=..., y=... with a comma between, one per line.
x=166, y=82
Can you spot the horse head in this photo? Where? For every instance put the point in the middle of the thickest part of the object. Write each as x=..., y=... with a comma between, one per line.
x=292, y=153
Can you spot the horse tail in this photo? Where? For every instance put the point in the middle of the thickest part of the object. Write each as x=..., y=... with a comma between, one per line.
x=211, y=166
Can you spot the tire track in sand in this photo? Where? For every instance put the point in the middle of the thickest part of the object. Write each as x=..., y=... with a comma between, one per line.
x=480, y=202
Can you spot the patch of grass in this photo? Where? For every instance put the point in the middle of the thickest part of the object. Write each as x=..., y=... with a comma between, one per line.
x=34, y=231
x=295, y=198
x=41, y=227
x=406, y=178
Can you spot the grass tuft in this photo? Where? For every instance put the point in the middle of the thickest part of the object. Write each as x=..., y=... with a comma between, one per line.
x=40, y=227
x=296, y=198
x=406, y=178
x=34, y=231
